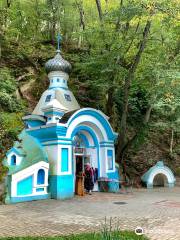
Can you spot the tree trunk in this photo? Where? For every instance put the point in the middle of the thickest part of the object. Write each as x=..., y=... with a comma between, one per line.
x=53, y=33
x=127, y=85
x=2, y=190
x=8, y=3
x=148, y=114
x=98, y=4
x=54, y=9
x=110, y=104
x=0, y=50
x=118, y=20
x=82, y=21
x=5, y=17
x=172, y=141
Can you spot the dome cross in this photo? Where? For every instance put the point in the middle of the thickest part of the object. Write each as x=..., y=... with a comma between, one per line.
x=59, y=38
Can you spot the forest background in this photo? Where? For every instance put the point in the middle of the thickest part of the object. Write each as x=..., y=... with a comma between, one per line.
x=125, y=58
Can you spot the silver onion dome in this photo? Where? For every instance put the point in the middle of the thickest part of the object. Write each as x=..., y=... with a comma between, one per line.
x=57, y=64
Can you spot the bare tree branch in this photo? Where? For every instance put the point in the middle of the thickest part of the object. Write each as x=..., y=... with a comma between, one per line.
x=99, y=8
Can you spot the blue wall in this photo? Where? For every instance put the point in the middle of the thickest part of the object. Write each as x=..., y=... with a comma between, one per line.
x=64, y=160
x=114, y=175
x=61, y=187
x=25, y=186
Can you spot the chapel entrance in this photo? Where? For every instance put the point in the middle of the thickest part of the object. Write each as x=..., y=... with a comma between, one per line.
x=83, y=153
x=80, y=164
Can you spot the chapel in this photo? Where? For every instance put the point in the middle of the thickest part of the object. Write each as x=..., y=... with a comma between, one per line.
x=58, y=137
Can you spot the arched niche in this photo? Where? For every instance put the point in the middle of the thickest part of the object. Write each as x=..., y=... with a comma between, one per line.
x=41, y=177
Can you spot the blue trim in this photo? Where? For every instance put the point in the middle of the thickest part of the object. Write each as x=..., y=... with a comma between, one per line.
x=15, y=150
x=54, y=113
x=54, y=139
x=39, y=189
x=34, y=123
x=69, y=143
x=99, y=166
x=57, y=143
x=111, y=135
x=27, y=198
x=51, y=132
x=58, y=87
x=111, y=146
x=107, y=142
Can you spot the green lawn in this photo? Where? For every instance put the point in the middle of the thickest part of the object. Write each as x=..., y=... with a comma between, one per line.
x=124, y=235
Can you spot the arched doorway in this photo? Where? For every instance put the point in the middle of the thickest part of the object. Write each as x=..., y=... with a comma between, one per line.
x=160, y=180
x=85, y=150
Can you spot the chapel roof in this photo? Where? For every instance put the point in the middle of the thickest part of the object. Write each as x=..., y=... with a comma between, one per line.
x=58, y=63
x=54, y=104
x=33, y=153
x=66, y=116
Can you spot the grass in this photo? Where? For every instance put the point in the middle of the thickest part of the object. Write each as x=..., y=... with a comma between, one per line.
x=108, y=232
x=111, y=235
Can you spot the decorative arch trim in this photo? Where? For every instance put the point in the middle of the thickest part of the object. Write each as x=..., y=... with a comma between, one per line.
x=159, y=168
x=163, y=170
x=89, y=130
x=102, y=119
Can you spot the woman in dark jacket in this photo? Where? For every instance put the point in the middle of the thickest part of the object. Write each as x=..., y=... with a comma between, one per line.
x=89, y=178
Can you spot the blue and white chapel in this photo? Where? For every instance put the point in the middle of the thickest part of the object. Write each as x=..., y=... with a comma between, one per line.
x=42, y=163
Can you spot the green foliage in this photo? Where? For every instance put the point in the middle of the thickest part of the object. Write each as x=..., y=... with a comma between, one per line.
x=11, y=121
x=10, y=127
x=138, y=103
x=124, y=235
x=8, y=100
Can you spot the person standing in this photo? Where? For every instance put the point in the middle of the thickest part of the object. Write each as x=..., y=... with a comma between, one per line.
x=89, y=179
